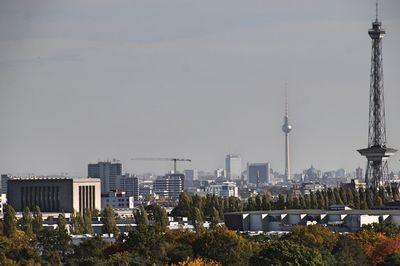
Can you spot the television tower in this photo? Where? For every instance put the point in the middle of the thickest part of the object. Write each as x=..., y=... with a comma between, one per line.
x=286, y=128
x=377, y=153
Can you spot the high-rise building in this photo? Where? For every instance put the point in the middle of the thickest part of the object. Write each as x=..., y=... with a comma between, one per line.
x=3, y=183
x=190, y=175
x=107, y=172
x=233, y=165
x=129, y=184
x=286, y=128
x=377, y=172
x=169, y=186
x=258, y=173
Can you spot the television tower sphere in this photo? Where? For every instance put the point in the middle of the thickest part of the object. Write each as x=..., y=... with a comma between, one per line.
x=286, y=126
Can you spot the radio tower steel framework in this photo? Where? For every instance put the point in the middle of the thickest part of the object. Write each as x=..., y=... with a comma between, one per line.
x=377, y=153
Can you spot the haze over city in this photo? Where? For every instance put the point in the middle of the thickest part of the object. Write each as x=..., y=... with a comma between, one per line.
x=83, y=81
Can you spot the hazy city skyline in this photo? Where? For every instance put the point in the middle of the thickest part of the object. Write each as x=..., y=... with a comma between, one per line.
x=96, y=80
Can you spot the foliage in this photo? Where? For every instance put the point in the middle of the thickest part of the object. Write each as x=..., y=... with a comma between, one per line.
x=25, y=223
x=348, y=252
x=224, y=246
x=37, y=223
x=10, y=221
x=108, y=216
x=285, y=252
x=141, y=216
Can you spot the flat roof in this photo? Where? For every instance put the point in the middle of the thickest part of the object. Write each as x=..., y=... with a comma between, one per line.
x=317, y=211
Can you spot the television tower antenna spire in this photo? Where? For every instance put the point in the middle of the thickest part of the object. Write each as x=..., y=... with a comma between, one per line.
x=286, y=128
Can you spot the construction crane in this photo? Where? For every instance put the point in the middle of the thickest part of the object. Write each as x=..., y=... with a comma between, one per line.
x=164, y=159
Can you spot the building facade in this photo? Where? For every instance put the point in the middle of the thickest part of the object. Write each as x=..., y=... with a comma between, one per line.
x=258, y=173
x=54, y=194
x=107, y=172
x=117, y=200
x=226, y=189
x=130, y=185
x=190, y=175
x=169, y=186
x=284, y=220
x=233, y=165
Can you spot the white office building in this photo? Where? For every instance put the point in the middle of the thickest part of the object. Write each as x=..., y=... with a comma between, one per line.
x=226, y=189
x=117, y=200
x=233, y=165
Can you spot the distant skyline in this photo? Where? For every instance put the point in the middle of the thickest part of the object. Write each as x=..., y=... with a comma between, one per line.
x=82, y=81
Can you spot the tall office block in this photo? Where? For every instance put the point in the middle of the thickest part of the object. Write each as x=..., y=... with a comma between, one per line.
x=258, y=173
x=107, y=172
x=169, y=186
x=130, y=185
x=233, y=164
x=3, y=183
x=190, y=175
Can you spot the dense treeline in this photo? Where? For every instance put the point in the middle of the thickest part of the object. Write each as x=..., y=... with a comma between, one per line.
x=213, y=207
x=376, y=244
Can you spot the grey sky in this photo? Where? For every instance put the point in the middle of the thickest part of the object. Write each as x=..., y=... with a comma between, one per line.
x=88, y=80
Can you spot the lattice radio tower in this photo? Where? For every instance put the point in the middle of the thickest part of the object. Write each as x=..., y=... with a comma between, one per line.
x=377, y=153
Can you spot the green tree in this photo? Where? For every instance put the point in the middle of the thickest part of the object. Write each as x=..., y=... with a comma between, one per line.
x=10, y=221
x=25, y=223
x=54, y=241
x=198, y=219
x=62, y=222
x=214, y=218
x=227, y=247
x=160, y=217
x=289, y=201
x=184, y=206
x=141, y=216
x=76, y=225
x=284, y=252
x=266, y=204
x=108, y=217
x=348, y=252
x=258, y=203
x=313, y=201
x=280, y=203
x=146, y=241
x=87, y=222
x=37, y=224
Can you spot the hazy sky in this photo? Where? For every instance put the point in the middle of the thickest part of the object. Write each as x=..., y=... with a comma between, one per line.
x=88, y=80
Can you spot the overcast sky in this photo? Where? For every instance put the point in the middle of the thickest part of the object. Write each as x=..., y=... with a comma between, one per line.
x=82, y=81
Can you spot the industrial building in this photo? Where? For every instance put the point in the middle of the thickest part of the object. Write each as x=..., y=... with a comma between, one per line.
x=54, y=194
x=283, y=220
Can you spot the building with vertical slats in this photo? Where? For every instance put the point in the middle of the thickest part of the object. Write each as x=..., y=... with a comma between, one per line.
x=58, y=194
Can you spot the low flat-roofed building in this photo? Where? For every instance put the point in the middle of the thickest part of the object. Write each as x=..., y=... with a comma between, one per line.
x=283, y=220
x=117, y=200
x=54, y=194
